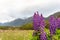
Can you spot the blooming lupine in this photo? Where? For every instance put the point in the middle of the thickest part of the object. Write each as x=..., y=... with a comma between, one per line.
x=36, y=20
x=39, y=24
x=53, y=24
x=43, y=36
x=36, y=23
x=42, y=26
x=42, y=21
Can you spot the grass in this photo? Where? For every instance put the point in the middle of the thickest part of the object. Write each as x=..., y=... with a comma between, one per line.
x=24, y=35
x=15, y=34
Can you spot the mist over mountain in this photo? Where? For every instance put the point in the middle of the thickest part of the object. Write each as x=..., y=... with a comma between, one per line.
x=19, y=21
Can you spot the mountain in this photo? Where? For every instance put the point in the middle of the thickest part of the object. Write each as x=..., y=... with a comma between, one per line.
x=57, y=14
x=19, y=22
x=16, y=22
x=1, y=24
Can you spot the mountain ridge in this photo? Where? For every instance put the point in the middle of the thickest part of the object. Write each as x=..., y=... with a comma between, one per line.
x=19, y=21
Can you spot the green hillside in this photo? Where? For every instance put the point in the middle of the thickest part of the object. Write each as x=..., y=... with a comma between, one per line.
x=27, y=26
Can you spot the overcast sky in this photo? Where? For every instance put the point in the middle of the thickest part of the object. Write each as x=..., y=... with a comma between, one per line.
x=12, y=9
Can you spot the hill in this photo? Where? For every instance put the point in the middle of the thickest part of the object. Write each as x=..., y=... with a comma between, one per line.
x=20, y=22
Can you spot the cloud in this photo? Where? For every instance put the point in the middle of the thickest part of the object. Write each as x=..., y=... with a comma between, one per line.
x=12, y=9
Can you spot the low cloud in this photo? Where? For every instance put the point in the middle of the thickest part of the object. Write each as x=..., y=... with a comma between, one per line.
x=12, y=9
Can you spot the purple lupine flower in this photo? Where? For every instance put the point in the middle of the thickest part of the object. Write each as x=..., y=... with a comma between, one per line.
x=42, y=21
x=43, y=36
x=42, y=26
x=36, y=23
x=39, y=24
x=36, y=20
x=53, y=24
